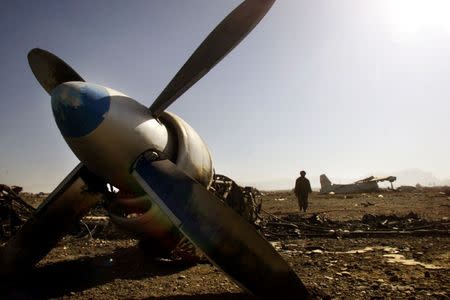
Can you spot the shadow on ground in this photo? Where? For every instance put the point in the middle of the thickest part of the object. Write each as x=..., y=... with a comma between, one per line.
x=222, y=296
x=61, y=278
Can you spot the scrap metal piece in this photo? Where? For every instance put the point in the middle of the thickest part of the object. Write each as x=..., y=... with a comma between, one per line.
x=14, y=211
x=246, y=201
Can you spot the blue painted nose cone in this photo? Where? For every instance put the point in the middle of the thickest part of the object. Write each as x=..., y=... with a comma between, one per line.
x=79, y=107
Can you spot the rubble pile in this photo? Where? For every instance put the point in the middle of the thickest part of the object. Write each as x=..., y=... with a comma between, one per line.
x=318, y=225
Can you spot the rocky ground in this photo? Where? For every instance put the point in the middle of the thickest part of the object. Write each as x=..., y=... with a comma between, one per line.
x=388, y=245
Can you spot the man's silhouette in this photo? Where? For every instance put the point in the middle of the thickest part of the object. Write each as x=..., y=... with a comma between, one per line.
x=302, y=189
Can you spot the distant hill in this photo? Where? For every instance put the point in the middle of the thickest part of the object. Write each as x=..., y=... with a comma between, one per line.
x=417, y=176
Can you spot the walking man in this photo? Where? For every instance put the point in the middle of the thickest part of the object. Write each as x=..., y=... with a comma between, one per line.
x=302, y=189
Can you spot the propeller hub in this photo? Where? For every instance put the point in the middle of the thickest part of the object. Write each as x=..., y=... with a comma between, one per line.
x=79, y=107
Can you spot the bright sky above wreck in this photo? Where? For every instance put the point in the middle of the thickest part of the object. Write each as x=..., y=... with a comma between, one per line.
x=348, y=88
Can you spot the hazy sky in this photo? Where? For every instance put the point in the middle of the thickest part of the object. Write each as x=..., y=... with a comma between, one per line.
x=346, y=87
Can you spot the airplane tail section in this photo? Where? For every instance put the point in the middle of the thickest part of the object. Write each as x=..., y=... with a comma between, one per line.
x=325, y=183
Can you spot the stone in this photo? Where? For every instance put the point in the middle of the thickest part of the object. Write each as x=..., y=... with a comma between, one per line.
x=393, y=278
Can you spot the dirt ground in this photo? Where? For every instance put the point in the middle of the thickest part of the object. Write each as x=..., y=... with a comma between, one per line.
x=406, y=255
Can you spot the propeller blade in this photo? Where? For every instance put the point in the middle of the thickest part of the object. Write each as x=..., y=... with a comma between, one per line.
x=63, y=208
x=50, y=70
x=227, y=35
x=226, y=238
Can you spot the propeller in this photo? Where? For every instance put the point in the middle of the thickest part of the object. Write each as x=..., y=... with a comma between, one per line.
x=225, y=237
x=50, y=70
x=227, y=35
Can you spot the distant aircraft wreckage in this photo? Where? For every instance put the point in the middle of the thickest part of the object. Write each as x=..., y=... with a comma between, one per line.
x=366, y=185
x=158, y=162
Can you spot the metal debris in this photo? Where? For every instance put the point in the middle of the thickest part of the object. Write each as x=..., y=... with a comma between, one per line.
x=317, y=225
x=246, y=201
x=369, y=184
x=14, y=211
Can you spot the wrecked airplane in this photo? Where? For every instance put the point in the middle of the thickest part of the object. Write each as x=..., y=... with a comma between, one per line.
x=366, y=185
x=161, y=166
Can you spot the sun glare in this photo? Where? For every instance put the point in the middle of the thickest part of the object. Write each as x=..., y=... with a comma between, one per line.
x=413, y=16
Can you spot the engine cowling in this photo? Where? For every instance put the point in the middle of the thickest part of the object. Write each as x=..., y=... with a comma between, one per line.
x=138, y=214
x=192, y=154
